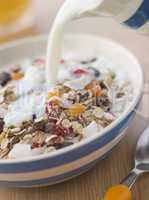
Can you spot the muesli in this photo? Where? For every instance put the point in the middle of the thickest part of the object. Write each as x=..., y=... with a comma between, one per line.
x=36, y=120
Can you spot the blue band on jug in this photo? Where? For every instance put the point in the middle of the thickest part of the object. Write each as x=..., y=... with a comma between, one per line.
x=140, y=17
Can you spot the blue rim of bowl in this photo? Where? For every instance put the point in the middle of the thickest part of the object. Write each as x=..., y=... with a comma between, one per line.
x=130, y=109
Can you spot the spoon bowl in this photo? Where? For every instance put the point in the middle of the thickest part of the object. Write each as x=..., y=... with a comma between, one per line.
x=141, y=160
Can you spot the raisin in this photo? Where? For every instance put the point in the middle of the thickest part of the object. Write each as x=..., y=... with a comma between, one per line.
x=39, y=126
x=89, y=61
x=49, y=127
x=34, y=117
x=1, y=124
x=103, y=85
x=4, y=78
x=95, y=71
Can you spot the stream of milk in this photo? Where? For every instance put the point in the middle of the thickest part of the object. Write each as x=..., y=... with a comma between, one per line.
x=70, y=10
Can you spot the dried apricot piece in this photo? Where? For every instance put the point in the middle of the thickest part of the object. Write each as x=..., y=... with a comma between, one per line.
x=119, y=192
x=76, y=109
x=16, y=75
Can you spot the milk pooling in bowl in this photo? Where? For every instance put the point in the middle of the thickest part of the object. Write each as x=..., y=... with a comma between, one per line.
x=69, y=11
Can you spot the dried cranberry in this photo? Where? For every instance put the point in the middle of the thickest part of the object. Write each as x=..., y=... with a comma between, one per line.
x=61, y=131
x=39, y=61
x=62, y=61
x=79, y=72
x=35, y=145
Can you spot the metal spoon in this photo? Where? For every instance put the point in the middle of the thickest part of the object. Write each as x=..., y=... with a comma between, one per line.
x=141, y=160
x=141, y=166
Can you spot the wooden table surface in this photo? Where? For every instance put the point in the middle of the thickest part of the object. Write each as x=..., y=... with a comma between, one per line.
x=92, y=185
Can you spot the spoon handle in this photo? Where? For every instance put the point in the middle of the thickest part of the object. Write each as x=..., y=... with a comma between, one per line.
x=131, y=178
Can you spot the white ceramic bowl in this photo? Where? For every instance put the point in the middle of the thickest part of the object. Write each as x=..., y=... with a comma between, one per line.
x=73, y=160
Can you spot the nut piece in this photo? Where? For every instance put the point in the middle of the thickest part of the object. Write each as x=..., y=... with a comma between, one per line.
x=98, y=112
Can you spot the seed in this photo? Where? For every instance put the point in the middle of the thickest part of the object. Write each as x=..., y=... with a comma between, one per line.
x=77, y=127
x=28, y=136
x=66, y=123
x=4, y=152
x=9, y=95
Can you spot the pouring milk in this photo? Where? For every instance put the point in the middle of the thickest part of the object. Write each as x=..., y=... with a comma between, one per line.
x=133, y=13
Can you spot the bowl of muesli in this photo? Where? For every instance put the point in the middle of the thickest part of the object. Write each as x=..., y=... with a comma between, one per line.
x=51, y=134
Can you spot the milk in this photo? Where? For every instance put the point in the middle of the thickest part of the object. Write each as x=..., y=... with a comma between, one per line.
x=133, y=13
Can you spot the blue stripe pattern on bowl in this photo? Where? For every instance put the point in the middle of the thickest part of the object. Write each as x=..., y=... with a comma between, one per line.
x=140, y=17
x=59, y=160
